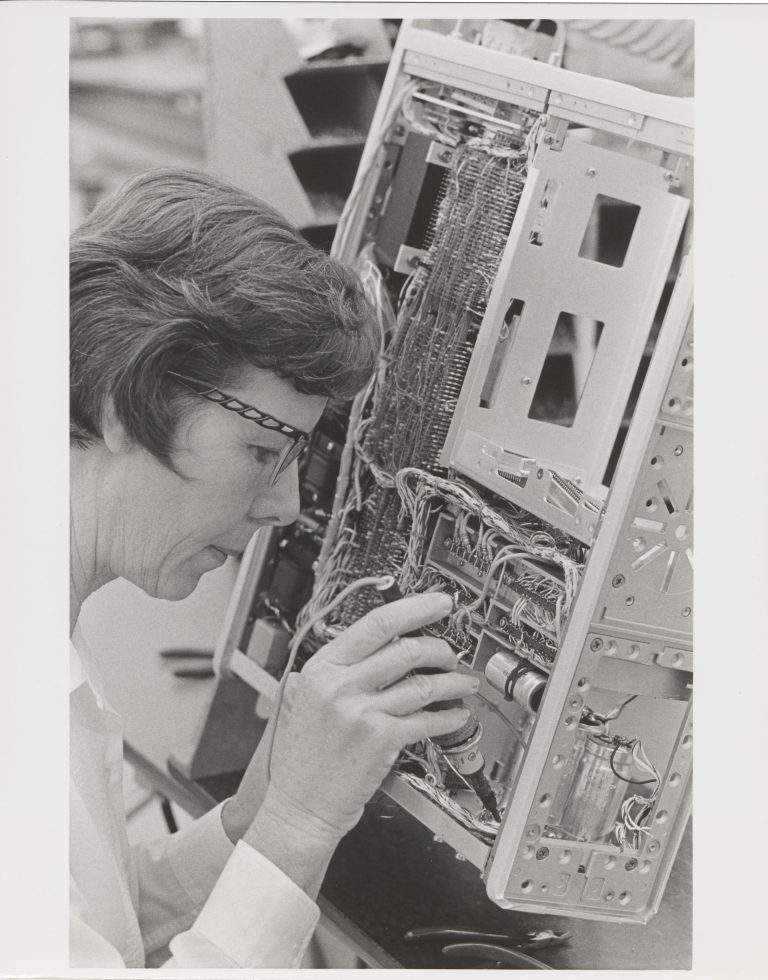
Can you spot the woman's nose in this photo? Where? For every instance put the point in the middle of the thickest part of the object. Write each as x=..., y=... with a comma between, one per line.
x=281, y=501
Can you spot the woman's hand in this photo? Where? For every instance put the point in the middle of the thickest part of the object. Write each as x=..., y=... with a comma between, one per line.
x=351, y=710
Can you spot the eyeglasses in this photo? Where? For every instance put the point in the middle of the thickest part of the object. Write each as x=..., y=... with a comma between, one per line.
x=291, y=451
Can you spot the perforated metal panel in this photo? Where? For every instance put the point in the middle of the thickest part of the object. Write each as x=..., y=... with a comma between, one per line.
x=542, y=268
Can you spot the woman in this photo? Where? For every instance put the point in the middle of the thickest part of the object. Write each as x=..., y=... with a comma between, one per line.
x=206, y=337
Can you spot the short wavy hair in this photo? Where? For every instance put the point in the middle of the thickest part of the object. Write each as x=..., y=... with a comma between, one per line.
x=178, y=271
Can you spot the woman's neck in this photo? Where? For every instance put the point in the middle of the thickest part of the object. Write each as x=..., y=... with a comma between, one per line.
x=89, y=566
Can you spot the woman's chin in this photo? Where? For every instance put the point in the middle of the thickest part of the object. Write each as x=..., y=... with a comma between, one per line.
x=182, y=581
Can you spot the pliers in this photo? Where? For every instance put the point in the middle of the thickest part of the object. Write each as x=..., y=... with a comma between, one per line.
x=492, y=946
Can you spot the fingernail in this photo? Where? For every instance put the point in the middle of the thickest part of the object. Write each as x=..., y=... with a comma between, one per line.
x=475, y=683
x=445, y=601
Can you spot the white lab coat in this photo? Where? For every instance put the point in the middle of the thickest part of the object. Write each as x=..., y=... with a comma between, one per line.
x=215, y=904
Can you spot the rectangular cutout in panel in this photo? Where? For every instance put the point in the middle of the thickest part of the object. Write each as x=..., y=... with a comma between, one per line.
x=609, y=231
x=544, y=211
x=561, y=384
x=504, y=341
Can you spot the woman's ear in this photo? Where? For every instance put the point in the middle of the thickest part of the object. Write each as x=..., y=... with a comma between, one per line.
x=113, y=432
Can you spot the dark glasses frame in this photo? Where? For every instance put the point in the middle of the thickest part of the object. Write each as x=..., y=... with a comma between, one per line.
x=291, y=451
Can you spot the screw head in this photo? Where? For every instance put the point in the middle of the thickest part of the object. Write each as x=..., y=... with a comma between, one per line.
x=447, y=542
x=631, y=864
x=669, y=177
x=445, y=156
x=618, y=581
x=543, y=852
x=596, y=644
x=549, y=139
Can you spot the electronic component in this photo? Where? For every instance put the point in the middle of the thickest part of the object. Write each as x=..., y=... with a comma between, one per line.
x=525, y=446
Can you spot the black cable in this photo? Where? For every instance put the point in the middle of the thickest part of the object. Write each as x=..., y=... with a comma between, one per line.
x=634, y=782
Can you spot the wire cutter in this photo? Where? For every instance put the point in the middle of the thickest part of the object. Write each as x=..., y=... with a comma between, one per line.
x=492, y=946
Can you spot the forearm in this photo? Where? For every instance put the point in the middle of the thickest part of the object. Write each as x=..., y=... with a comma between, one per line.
x=295, y=847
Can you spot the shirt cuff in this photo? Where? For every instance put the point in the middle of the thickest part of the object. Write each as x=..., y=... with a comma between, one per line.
x=257, y=914
x=198, y=854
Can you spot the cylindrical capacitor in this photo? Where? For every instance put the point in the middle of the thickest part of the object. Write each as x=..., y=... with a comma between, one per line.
x=587, y=727
x=516, y=679
x=597, y=791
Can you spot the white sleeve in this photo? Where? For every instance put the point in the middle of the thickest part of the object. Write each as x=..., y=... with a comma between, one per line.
x=255, y=917
x=220, y=905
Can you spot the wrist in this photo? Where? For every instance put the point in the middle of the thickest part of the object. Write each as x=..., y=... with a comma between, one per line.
x=301, y=848
x=300, y=821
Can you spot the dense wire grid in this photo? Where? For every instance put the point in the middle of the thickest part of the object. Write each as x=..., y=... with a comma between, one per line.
x=424, y=365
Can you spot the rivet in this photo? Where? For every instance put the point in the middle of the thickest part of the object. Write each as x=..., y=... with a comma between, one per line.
x=591, y=172
x=533, y=831
x=678, y=450
x=525, y=380
x=629, y=601
x=686, y=612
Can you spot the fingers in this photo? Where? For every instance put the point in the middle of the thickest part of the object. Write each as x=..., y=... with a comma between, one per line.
x=429, y=724
x=401, y=656
x=414, y=693
x=383, y=624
